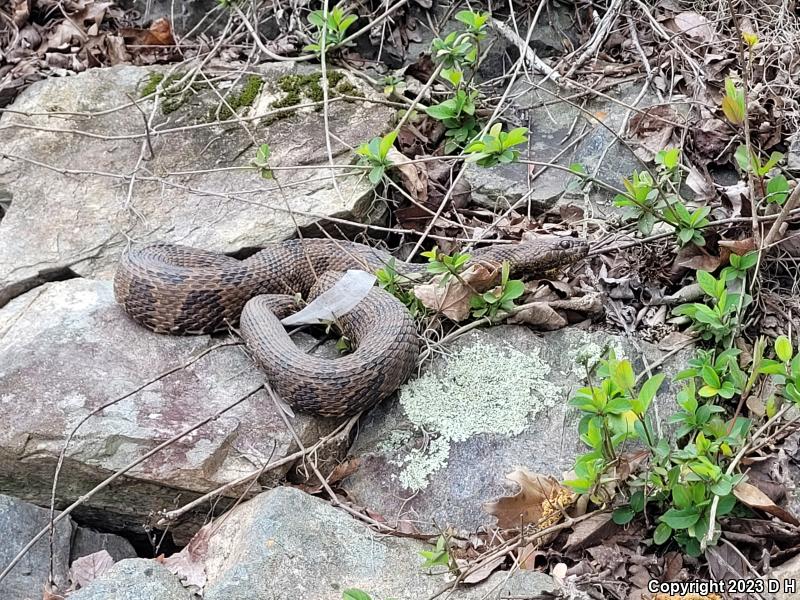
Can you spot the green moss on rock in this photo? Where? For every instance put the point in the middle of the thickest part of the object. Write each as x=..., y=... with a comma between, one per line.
x=173, y=96
x=243, y=99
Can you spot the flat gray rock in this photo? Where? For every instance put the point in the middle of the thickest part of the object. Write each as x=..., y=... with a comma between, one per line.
x=66, y=348
x=499, y=401
x=134, y=579
x=73, y=206
x=286, y=540
x=559, y=129
x=19, y=523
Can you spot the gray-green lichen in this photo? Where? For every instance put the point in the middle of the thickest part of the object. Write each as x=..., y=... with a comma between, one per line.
x=482, y=389
x=587, y=354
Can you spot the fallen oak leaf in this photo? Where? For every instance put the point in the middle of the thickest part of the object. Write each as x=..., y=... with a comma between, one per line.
x=540, y=500
x=751, y=496
x=451, y=298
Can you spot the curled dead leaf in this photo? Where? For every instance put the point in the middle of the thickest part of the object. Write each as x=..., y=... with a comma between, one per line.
x=540, y=315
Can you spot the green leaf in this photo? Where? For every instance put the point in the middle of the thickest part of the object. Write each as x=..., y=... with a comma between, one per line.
x=708, y=283
x=637, y=501
x=742, y=158
x=681, y=519
x=783, y=348
x=514, y=289
x=773, y=160
x=777, y=190
x=440, y=112
x=681, y=497
x=722, y=488
x=386, y=143
x=623, y=515
x=662, y=533
x=710, y=376
x=375, y=175
x=623, y=375
x=516, y=136
x=726, y=504
x=579, y=169
x=355, y=594
x=649, y=390
x=316, y=19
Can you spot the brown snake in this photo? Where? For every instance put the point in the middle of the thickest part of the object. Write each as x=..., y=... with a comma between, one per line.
x=181, y=290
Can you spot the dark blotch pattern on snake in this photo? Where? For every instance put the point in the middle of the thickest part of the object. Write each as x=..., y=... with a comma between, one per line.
x=181, y=290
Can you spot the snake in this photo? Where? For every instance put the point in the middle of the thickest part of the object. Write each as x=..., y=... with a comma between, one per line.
x=182, y=290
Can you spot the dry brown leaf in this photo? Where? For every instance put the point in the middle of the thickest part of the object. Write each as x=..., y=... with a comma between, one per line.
x=344, y=469
x=20, y=11
x=591, y=531
x=674, y=340
x=452, y=298
x=753, y=497
x=188, y=564
x=695, y=258
x=541, y=316
x=158, y=34
x=701, y=184
x=528, y=555
x=740, y=247
x=86, y=569
x=483, y=571
x=413, y=177
x=693, y=25
x=537, y=501
x=50, y=593
x=653, y=130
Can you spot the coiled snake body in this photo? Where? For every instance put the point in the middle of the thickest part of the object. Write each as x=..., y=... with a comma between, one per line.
x=182, y=290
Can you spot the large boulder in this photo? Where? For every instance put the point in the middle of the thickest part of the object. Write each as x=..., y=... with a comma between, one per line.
x=66, y=349
x=497, y=401
x=134, y=579
x=19, y=522
x=555, y=138
x=89, y=163
x=287, y=544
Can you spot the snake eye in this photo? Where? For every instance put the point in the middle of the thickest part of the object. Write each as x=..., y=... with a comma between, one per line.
x=565, y=244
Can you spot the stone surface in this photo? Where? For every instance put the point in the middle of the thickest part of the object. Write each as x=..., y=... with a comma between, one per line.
x=134, y=579
x=787, y=572
x=793, y=156
x=287, y=540
x=499, y=401
x=194, y=190
x=552, y=131
x=66, y=348
x=287, y=544
x=19, y=522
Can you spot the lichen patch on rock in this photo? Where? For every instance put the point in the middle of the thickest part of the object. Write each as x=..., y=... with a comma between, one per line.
x=482, y=389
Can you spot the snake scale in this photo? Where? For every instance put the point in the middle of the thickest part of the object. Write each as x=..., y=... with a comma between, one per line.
x=181, y=290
